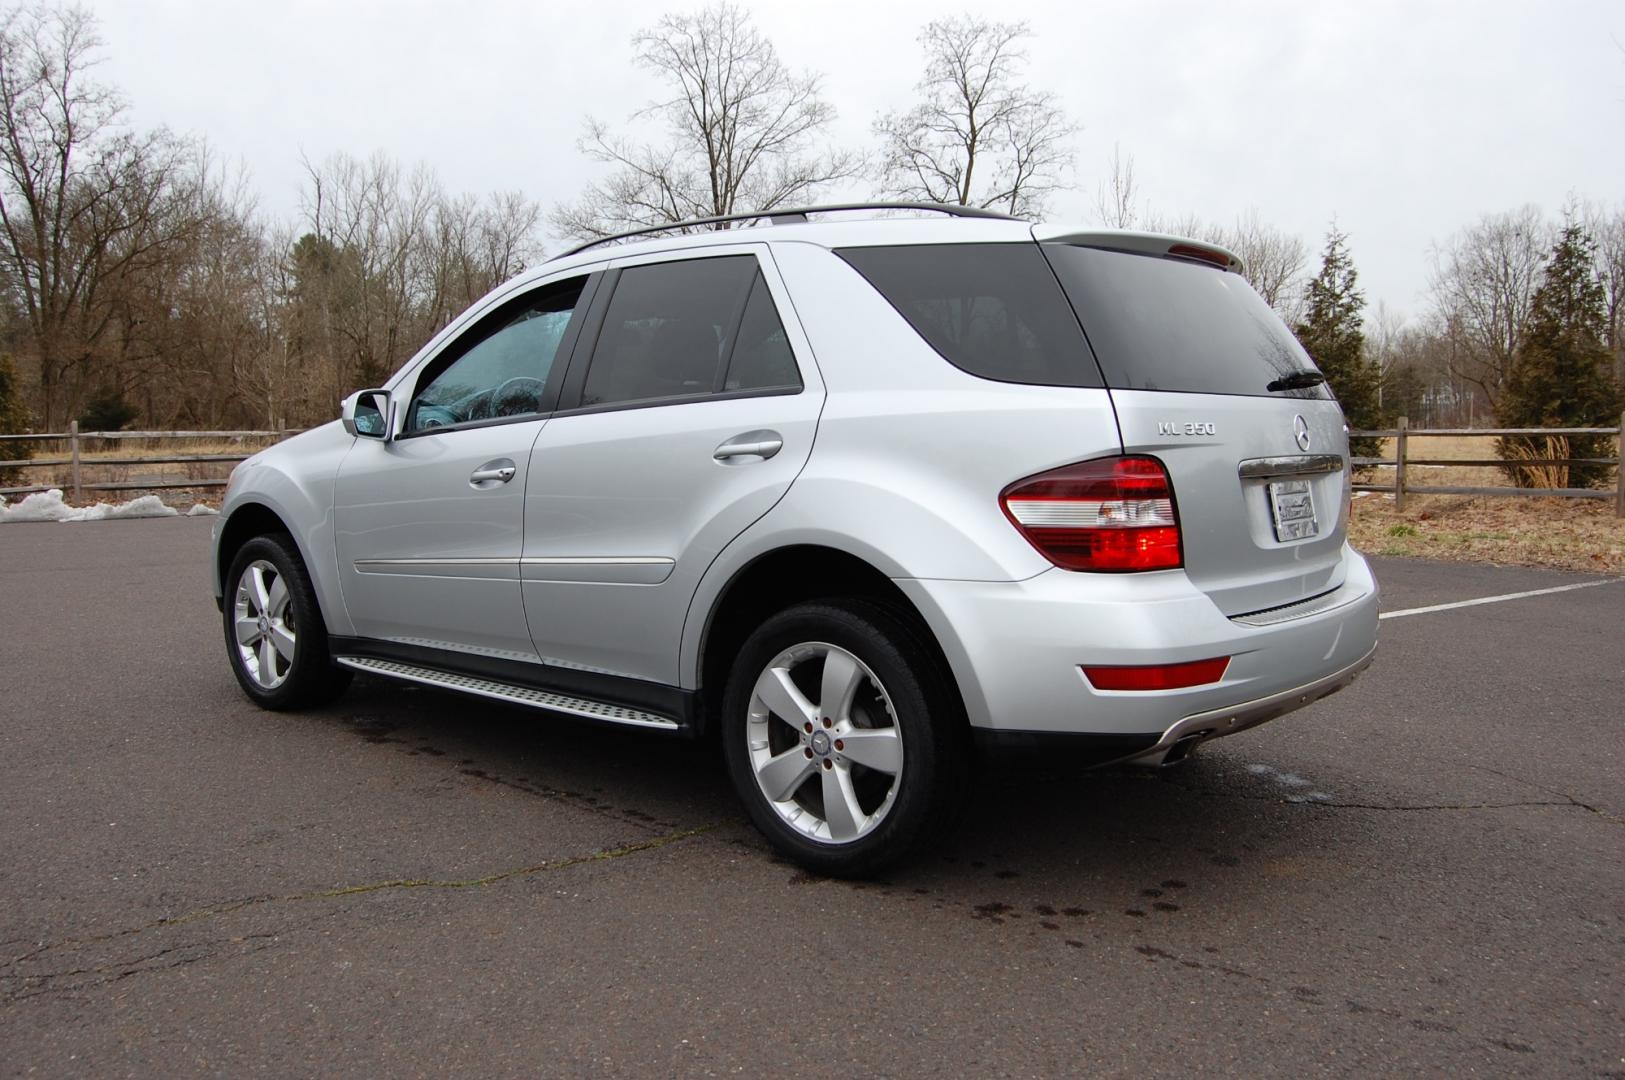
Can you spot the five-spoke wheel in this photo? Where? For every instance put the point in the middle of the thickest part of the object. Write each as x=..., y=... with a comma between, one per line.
x=843, y=735
x=266, y=636
x=824, y=742
x=274, y=630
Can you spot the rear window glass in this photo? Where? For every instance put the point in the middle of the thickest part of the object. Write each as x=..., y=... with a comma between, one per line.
x=993, y=310
x=1165, y=324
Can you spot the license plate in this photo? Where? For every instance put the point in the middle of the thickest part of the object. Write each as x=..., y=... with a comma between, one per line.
x=1292, y=509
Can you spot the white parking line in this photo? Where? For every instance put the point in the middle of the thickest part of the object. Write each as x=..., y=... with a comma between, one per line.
x=1497, y=599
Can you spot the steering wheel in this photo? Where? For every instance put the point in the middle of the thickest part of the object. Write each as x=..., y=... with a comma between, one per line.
x=526, y=389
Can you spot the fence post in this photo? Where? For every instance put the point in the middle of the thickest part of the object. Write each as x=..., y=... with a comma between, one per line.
x=1399, y=464
x=73, y=452
x=1619, y=496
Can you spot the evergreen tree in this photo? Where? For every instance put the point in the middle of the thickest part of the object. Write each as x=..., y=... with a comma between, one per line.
x=1331, y=334
x=13, y=421
x=1562, y=372
x=106, y=411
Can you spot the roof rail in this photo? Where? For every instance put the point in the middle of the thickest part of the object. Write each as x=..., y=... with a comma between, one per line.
x=793, y=215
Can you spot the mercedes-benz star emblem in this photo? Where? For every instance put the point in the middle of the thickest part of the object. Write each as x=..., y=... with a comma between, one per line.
x=1300, y=431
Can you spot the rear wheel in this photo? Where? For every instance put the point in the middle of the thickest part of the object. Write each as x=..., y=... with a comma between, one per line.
x=275, y=637
x=843, y=737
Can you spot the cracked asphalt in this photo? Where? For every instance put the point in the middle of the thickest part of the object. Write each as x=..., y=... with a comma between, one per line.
x=1423, y=874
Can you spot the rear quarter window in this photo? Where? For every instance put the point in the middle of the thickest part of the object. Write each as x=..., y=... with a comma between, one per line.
x=993, y=310
x=1159, y=323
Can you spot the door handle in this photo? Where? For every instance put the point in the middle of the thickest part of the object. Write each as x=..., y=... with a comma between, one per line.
x=492, y=473
x=752, y=444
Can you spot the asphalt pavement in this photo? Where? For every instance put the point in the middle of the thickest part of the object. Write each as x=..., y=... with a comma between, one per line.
x=1424, y=874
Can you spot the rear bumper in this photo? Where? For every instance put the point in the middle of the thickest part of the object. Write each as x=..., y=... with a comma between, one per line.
x=1192, y=731
x=1016, y=649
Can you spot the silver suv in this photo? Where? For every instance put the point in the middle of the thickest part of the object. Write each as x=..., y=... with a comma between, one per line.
x=865, y=500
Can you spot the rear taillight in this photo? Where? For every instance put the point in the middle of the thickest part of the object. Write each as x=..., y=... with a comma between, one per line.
x=1112, y=514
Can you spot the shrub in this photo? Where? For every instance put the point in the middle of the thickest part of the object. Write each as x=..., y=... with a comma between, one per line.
x=107, y=411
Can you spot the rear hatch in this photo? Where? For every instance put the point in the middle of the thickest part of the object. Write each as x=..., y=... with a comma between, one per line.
x=1189, y=353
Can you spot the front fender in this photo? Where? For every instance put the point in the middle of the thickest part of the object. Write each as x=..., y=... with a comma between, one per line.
x=294, y=480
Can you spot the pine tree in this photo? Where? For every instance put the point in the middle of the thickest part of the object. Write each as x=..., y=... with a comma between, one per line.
x=1562, y=372
x=13, y=420
x=1332, y=336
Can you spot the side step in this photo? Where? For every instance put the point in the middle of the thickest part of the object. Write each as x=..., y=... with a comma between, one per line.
x=518, y=695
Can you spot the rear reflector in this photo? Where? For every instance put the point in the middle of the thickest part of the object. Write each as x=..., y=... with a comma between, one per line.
x=1110, y=514
x=1157, y=676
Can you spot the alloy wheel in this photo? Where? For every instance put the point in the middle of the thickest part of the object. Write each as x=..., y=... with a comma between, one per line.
x=264, y=623
x=824, y=742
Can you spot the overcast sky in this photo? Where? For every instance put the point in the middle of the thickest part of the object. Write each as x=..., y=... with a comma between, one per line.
x=1404, y=120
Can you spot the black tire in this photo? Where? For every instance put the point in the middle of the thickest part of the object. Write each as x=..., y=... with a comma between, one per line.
x=931, y=785
x=310, y=677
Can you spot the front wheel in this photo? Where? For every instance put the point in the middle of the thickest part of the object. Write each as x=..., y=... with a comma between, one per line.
x=843, y=736
x=275, y=637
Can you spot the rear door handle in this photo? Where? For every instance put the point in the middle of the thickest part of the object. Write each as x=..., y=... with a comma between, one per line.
x=752, y=444
x=492, y=473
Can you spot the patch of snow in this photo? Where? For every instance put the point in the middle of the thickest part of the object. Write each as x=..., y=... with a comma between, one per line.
x=50, y=506
x=200, y=510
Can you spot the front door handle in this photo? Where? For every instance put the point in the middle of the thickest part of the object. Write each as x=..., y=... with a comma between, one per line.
x=492, y=473
x=758, y=445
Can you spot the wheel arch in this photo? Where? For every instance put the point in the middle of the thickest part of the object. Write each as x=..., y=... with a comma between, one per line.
x=777, y=578
x=253, y=516
x=246, y=521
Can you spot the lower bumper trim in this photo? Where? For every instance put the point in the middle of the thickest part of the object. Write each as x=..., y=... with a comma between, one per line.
x=1090, y=749
x=1202, y=726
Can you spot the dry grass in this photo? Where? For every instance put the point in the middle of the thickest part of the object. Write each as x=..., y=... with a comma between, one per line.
x=1565, y=534
x=1569, y=534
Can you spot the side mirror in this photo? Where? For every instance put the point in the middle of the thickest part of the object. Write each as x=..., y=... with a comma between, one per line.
x=369, y=414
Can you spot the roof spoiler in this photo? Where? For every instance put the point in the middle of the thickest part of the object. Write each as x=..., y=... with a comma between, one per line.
x=1145, y=243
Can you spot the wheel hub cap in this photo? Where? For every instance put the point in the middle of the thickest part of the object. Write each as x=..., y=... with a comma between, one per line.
x=821, y=743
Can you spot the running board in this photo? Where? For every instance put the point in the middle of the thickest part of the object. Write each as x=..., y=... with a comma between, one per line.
x=517, y=695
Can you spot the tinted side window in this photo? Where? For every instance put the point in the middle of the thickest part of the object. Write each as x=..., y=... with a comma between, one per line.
x=993, y=310
x=761, y=354
x=499, y=367
x=1168, y=324
x=666, y=328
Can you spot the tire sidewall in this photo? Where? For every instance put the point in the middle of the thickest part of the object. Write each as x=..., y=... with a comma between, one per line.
x=886, y=647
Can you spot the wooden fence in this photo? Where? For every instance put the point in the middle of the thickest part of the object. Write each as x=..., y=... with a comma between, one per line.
x=1403, y=433
x=77, y=463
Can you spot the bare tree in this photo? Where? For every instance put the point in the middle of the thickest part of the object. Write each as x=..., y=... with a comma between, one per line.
x=979, y=136
x=1117, y=198
x=740, y=132
x=470, y=247
x=1483, y=285
x=376, y=218
x=1609, y=229
x=1273, y=261
x=83, y=202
